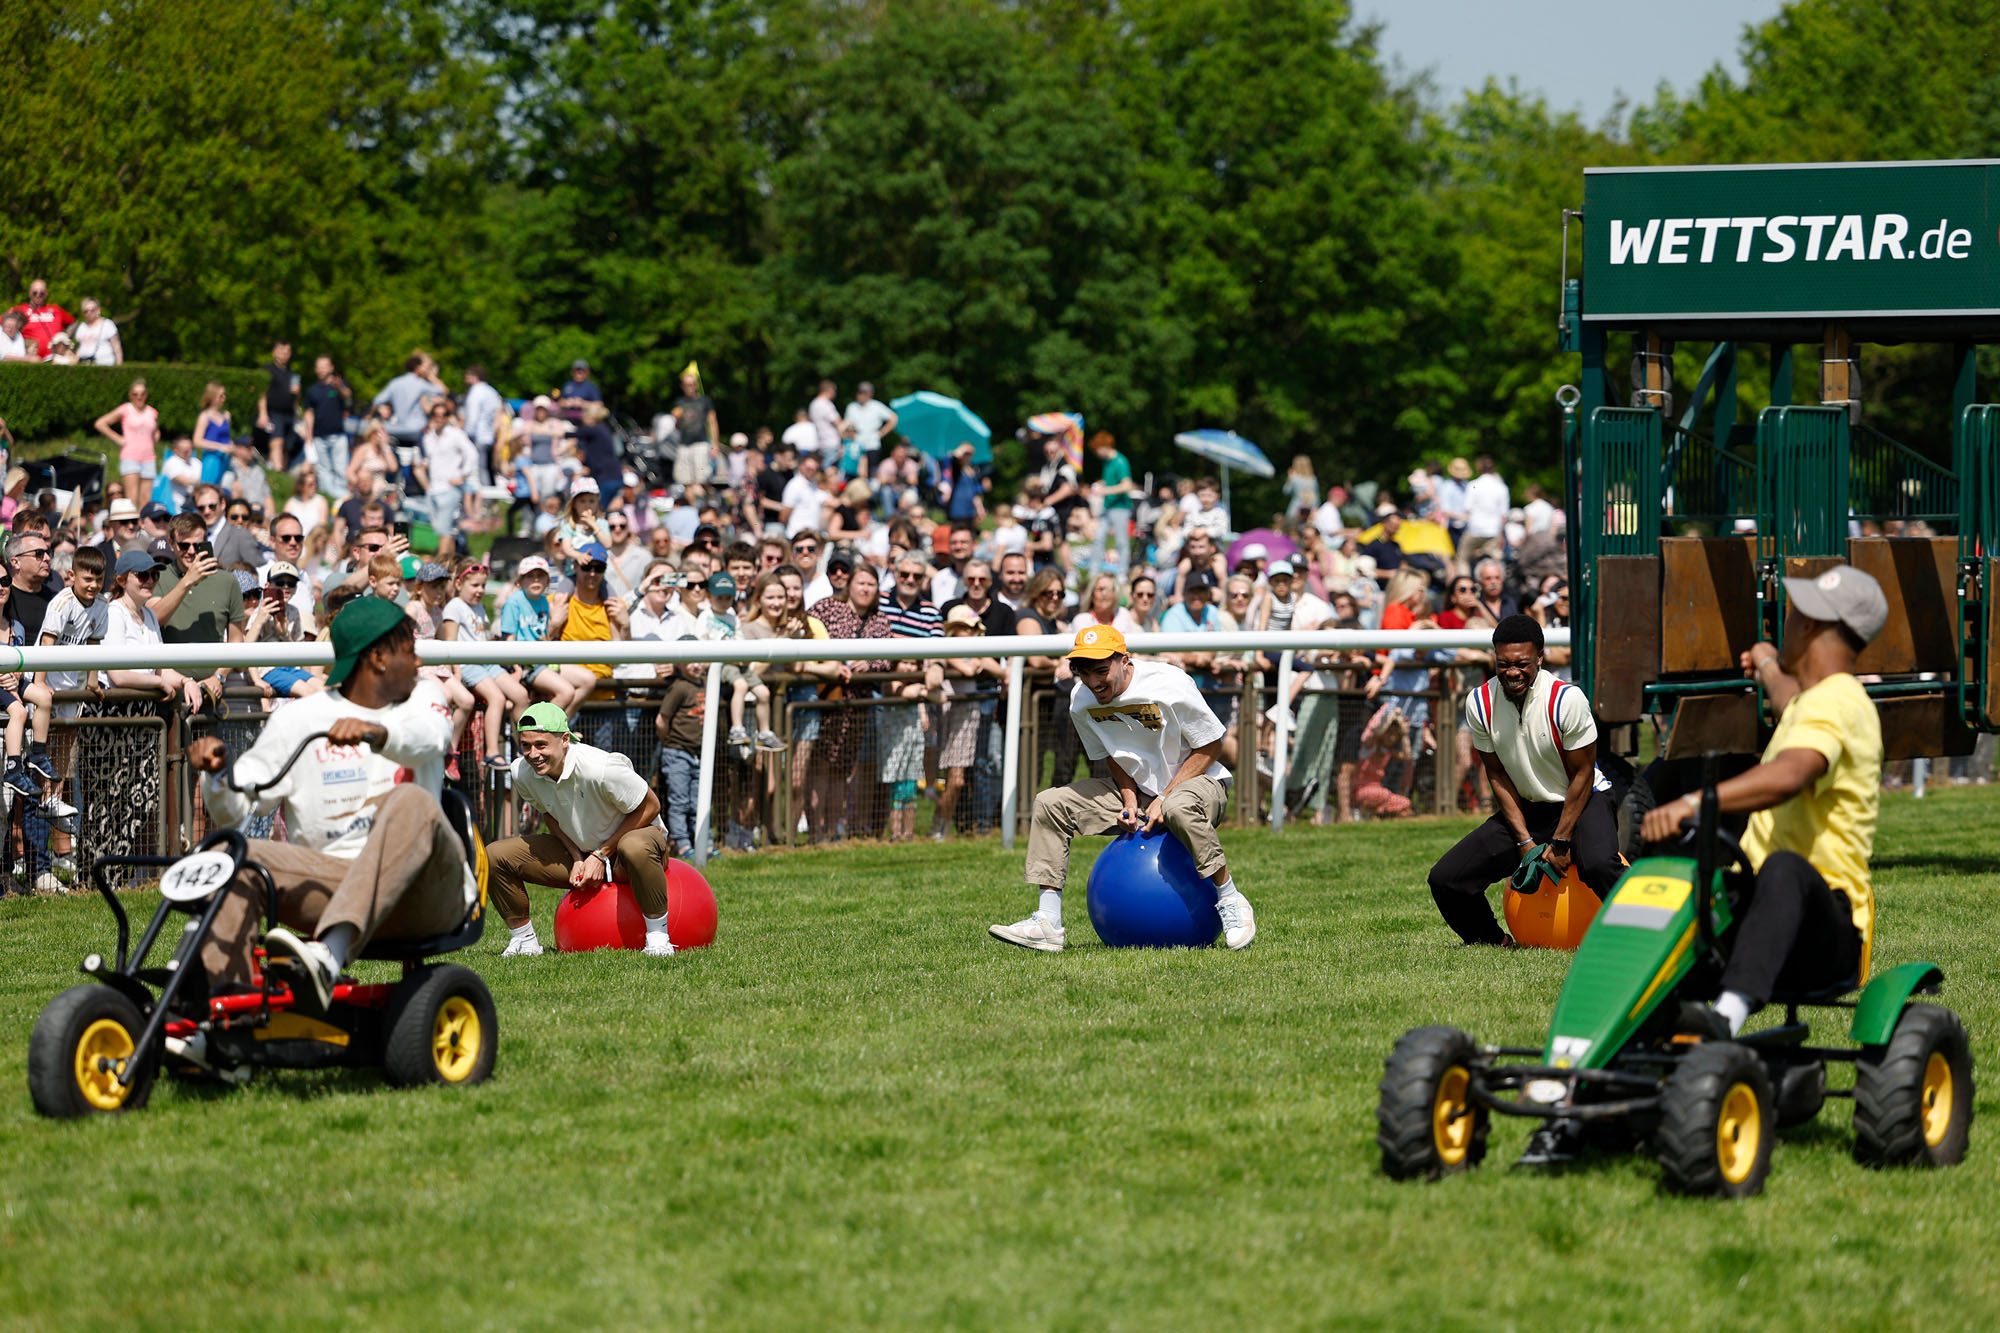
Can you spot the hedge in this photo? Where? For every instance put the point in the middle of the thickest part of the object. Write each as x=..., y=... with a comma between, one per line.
x=40, y=401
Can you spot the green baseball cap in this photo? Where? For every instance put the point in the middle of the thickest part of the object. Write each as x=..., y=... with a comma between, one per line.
x=355, y=630
x=544, y=716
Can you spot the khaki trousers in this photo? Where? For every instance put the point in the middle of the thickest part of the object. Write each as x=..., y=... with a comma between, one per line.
x=407, y=883
x=639, y=859
x=1091, y=807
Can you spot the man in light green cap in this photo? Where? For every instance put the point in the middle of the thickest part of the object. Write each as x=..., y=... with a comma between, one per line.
x=601, y=822
x=368, y=850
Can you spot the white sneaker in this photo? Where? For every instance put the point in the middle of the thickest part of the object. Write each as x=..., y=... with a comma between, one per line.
x=1239, y=923
x=658, y=944
x=311, y=959
x=1034, y=933
x=55, y=807
x=523, y=946
x=739, y=736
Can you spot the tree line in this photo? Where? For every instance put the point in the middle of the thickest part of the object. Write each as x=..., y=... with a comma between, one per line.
x=1161, y=213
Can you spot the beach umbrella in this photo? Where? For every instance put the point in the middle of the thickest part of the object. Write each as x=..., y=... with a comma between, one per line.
x=1417, y=536
x=1065, y=426
x=1277, y=546
x=1227, y=450
x=936, y=425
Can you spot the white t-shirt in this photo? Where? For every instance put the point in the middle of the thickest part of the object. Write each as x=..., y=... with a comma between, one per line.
x=74, y=624
x=868, y=419
x=643, y=625
x=1010, y=539
x=1539, y=515
x=1531, y=739
x=184, y=474
x=824, y=418
x=121, y=631
x=331, y=793
x=803, y=436
x=1327, y=519
x=807, y=502
x=946, y=586
x=590, y=799
x=1486, y=505
x=471, y=620
x=93, y=345
x=1151, y=728
x=16, y=346
x=1214, y=522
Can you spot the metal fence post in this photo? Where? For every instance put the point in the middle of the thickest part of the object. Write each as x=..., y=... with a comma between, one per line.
x=1280, y=751
x=1010, y=754
x=704, y=792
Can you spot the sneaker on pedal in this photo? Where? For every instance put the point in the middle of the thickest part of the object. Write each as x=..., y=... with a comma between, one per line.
x=1239, y=923
x=1037, y=932
x=658, y=945
x=309, y=958
x=1555, y=1145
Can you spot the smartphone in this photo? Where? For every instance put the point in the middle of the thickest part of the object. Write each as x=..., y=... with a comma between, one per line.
x=205, y=549
x=401, y=528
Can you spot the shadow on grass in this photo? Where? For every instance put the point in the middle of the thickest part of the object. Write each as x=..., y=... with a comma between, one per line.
x=1947, y=862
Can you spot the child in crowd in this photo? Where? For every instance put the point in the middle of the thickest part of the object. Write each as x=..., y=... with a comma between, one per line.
x=549, y=516
x=429, y=588
x=273, y=619
x=77, y=616
x=498, y=687
x=385, y=576
x=678, y=725
x=1386, y=740
x=718, y=622
x=26, y=773
x=524, y=618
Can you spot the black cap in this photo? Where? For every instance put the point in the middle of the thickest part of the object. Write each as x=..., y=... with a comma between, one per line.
x=1200, y=578
x=155, y=510
x=840, y=560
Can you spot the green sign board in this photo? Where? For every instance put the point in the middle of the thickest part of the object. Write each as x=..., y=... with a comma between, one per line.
x=1848, y=240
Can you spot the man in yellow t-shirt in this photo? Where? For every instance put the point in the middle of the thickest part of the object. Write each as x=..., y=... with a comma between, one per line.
x=1806, y=920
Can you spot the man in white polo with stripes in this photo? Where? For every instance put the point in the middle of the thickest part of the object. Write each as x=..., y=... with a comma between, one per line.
x=1538, y=742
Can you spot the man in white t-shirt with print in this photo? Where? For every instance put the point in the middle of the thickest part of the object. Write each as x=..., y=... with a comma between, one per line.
x=1486, y=505
x=1156, y=735
x=804, y=503
x=1537, y=740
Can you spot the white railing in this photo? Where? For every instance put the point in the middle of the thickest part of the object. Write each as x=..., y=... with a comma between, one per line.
x=1015, y=648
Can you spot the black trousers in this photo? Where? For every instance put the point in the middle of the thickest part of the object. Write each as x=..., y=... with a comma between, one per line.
x=1490, y=853
x=1792, y=932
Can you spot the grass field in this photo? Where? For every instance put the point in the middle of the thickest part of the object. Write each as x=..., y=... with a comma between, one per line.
x=858, y=1110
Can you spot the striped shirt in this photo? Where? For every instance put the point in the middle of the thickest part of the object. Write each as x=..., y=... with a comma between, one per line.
x=921, y=621
x=1532, y=738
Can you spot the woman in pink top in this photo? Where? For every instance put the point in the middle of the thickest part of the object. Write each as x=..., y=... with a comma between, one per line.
x=138, y=435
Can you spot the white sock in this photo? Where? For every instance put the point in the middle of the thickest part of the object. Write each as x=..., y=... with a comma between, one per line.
x=1051, y=908
x=1224, y=889
x=338, y=940
x=656, y=925
x=1733, y=1005
x=525, y=931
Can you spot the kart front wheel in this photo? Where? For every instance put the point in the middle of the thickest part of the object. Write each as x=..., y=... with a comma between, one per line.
x=1427, y=1124
x=85, y=1038
x=1913, y=1096
x=441, y=1028
x=1717, y=1122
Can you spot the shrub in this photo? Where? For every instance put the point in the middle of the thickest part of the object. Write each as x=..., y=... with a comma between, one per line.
x=40, y=401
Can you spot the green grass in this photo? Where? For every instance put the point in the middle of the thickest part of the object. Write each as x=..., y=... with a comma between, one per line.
x=858, y=1110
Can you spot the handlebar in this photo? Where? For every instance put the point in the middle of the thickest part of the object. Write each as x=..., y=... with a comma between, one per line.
x=277, y=777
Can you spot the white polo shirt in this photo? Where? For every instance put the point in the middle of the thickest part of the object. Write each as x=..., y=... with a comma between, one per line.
x=1531, y=739
x=597, y=789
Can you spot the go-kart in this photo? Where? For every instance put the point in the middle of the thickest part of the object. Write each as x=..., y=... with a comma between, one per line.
x=1615, y=1068
x=98, y=1048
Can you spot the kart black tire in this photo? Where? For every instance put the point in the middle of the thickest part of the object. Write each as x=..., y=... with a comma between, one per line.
x=1425, y=1125
x=1913, y=1097
x=1633, y=808
x=62, y=1074
x=1717, y=1122
x=442, y=1028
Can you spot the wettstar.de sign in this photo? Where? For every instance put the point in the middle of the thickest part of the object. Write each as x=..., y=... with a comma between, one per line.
x=1833, y=241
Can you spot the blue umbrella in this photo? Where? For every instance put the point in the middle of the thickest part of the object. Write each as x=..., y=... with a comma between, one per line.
x=1226, y=449
x=936, y=425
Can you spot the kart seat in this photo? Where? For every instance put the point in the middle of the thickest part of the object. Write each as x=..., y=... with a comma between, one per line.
x=1824, y=995
x=459, y=815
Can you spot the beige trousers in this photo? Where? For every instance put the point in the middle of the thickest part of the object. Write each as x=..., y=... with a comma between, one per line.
x=1091, y=807
x=407, y=883
x=640, y=859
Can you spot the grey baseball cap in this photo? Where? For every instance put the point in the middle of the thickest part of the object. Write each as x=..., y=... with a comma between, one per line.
x=1842, y=595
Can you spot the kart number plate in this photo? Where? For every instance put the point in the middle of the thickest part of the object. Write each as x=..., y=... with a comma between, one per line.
x=195, y=877
x=1654, y=891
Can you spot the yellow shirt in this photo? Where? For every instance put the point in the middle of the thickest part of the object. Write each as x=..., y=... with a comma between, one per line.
x=1831, y=823
x=588, y=622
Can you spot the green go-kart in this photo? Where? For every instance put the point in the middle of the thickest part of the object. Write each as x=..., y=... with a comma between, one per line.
x=1617, y=1071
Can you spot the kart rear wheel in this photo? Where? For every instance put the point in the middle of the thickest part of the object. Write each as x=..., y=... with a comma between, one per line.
x=1717, y=1123
x=83, y=1040
x=1913, y=1097
x=442, y=1028
x=1426, y=1122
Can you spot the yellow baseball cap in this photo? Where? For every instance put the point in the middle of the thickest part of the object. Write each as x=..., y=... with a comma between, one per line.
x=1098, y=642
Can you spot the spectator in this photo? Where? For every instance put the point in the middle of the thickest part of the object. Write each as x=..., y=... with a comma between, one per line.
x=135, y=426
x=273, y=618
x=214, y=434
x=450, y=475
x=306, y=504
x=600, y=455
x=678, y=724
x=277, y=406
x=964, y=488
x=234, y=548
x=1100, y=603
x=1486, y=505
x=1494, y=598
x=857, y=615
x=288, y=543
x=1116, y=489
x=804, y=503
x=97, y=340
x=195, y=602
x=996, y=618
x=372, y=464
x=130, y=623
x=958, y=743
x=579, y=392
x=900, y=729
x=1208, y=515
x=13, y=345
x=406, y=396
x=770, y=486
x=524, y=618
x=483, y=407
x=629, y=560
x=1384, y=550
x=30, y=556
x=1301, y=489
x=1385, y=742
x=949, y=582
x=40, y=321
x=865, y=422
x=121, y=530
x=326, y=402
x=834, y=582
x=499, y=688
x=696, y=427
x=850, y=520
x=1043, y=614
x=824, y=414
x=587, y=616
x=246, y=479
x=1060, y=491
x=1451, y=510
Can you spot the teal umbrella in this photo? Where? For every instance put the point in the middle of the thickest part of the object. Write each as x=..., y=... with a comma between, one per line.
x=937, y=425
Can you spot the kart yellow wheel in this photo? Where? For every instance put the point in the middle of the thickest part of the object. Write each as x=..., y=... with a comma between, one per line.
x=1428, y=1123
x=441, y=1028
x=1739, y=1134
x=1913, y=1095
x=83, y=1058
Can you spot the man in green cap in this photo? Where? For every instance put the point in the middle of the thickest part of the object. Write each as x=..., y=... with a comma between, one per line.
x=602, y=823
x=368, y=849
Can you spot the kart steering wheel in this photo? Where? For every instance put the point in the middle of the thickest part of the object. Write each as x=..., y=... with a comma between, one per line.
x=254, y=790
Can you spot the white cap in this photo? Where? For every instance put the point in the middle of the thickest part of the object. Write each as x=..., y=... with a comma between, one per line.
x=583, y=486
x=1254, y=551
x=533, y=564
x=1279, y=567
x=1842, y=595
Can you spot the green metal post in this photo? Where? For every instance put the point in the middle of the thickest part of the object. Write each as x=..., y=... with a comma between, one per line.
x=1725, y=399
x=1781, y=375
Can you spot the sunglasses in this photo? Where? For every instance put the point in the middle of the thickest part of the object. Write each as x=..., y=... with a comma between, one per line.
x=124, y=522
x=208, y=508
x=187, y=546
x=286, y=584
x=288, y=536
x=375, y=549
x=904, y=574
x=977, y=583
x=1137, y=595
x=42, y=551
x=147, y=575
x=590, y=569
x=806, y=548
x=620, y=527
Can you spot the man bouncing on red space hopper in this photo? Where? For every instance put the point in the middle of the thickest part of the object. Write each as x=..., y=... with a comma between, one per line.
x=1157, y=736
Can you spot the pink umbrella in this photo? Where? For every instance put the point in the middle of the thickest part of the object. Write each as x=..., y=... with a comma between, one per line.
x=1277, y=546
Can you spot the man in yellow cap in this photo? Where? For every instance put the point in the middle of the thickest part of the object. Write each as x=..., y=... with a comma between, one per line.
x=1157, y=736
